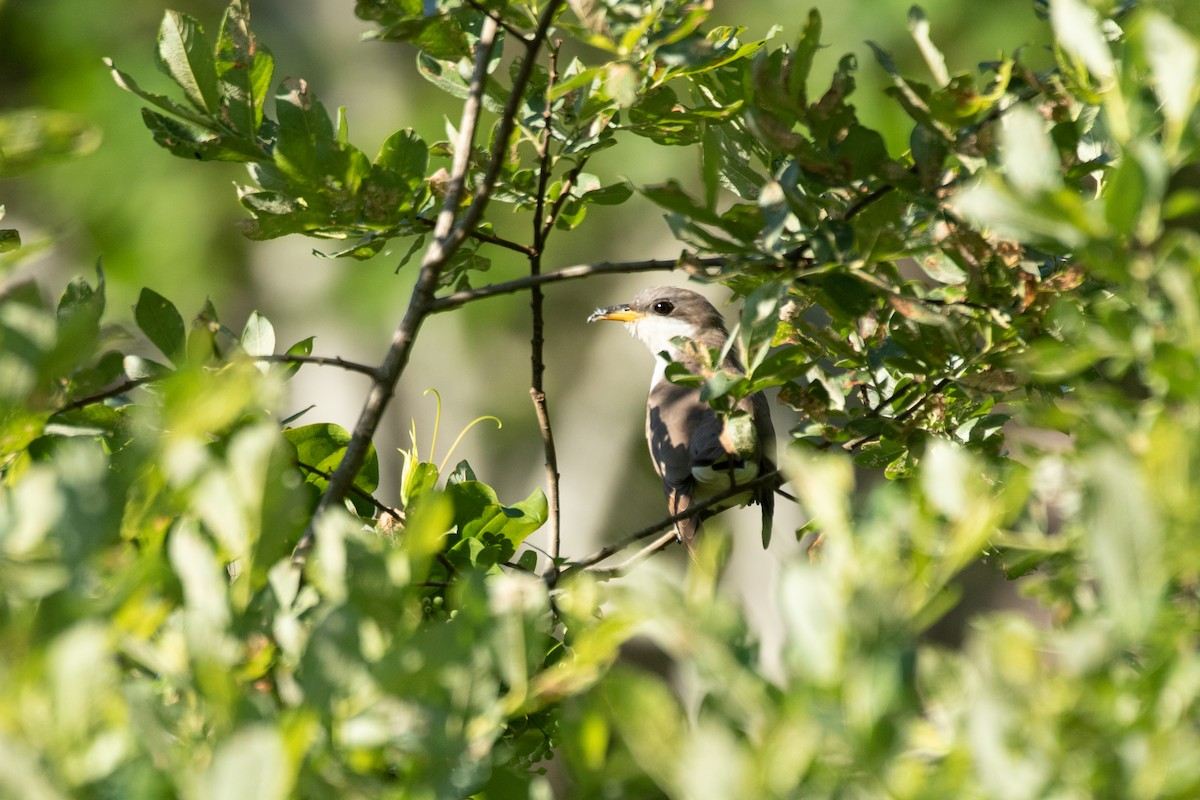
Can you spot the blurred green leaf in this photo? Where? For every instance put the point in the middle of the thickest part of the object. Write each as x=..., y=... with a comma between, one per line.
x=160, y=321
x=32, y=138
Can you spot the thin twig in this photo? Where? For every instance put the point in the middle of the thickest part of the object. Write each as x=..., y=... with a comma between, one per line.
x=320, y=361
x=659, y=544
x=449, y=235
x=452, y=301
x=854, y=444
x=381, y=507
x=560, y=201
x=489, y=238
x=691, y=511
x=537, y=341
x=509, y=29
x=100, y=397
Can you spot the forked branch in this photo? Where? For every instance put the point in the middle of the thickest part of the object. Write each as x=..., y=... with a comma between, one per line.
x=450, y=231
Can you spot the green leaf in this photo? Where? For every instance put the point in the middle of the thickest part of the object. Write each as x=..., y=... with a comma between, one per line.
x=405, y=154
x=160, y=321
x=185, y=54
x=33, y=137
x=190, y=141
x=306, y=147
x=81, y=305
x=1134, y=195
x=258, y=337
x=304, y=347
x=95, y=419
x=479, y=514
x=612, y=195
x=671, y=196
x=419, y=479
x=143, y=369
x=1027, y=153
x=918, y=26
x=462, y=473
x=323, y=445
x=445, y=76
x=244, y=68
x=126, y=82
x=252, y=764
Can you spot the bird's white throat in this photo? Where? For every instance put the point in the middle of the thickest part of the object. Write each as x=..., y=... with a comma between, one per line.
x=657, y=334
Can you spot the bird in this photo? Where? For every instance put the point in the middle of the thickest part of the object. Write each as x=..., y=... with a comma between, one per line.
x=697, y=452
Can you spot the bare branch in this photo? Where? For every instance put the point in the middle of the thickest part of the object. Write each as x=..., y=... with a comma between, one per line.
x=457, y=299
x=659, y=544
x=100, y=397
x=696, y=508
x=509, y=29
x=489, y=238
x=381, y=507
x=320, y=361
x=537, y=340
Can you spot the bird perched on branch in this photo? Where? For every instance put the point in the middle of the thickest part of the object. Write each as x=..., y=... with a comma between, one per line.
x=697, y=452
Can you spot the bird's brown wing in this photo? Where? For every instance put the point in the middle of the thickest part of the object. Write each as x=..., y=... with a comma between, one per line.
x=760, y=410
x=672, y=412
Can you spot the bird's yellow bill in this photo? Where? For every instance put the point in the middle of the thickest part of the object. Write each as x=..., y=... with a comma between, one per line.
x=616, y=314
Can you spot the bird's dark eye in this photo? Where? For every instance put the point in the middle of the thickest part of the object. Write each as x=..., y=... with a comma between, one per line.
x=663, y=307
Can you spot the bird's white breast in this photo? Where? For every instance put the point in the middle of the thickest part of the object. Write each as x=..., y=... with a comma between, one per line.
x=657, y=334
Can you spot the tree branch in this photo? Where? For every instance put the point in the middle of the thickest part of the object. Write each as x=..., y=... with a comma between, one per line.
x=452, y=301
x=854, y=444
x=99, y=397
x=448, y=236
x=509, y=29
x=537, y=341
x=659, y=544
x=691, y=511
x=442, y=247
x=320, y=361
x=489, y=238
x=382, y=508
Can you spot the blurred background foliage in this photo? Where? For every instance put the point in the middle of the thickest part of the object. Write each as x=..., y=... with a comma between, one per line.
x=156, y=642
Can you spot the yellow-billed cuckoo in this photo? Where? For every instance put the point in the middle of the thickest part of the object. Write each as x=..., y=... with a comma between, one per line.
x=696, y=453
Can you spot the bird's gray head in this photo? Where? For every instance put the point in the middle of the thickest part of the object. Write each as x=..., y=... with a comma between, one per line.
x=659, y=315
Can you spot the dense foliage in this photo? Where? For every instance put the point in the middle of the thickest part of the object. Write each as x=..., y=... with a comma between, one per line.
x=1026, y=269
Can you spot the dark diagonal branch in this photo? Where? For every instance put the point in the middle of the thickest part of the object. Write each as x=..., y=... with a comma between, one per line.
x=382, y=508
x=697, y=508
x=449, y=233
x=509, y=29
x=442, y=247
x=101, y=396
x=320, y=361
